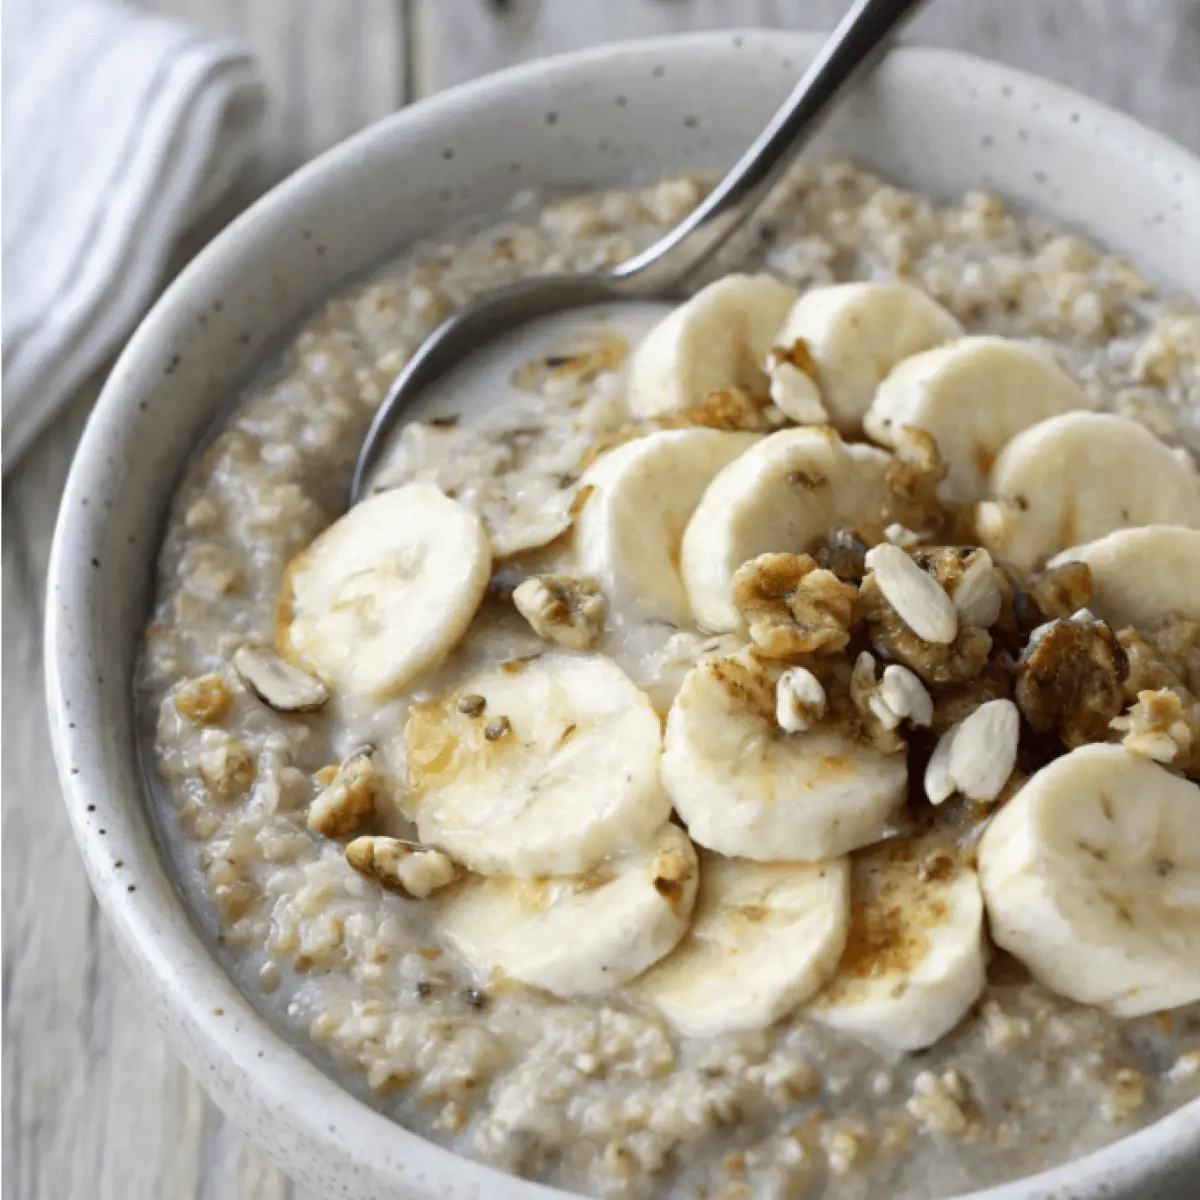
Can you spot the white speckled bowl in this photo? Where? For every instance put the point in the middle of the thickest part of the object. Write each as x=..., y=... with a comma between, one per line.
x=938, y=121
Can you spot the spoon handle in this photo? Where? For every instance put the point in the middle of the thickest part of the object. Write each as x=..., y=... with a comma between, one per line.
x=862, y=33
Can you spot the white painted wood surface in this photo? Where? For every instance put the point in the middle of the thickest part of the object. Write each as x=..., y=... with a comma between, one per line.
x=94, y=1103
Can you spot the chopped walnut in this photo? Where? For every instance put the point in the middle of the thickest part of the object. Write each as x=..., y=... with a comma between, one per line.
x=844, y=553
x=791, y=606
x=956, y=702
x=404, y=867
x=1162, y=727
x=1061, y=591
x=1069, y=680
x=912, y=480
x=1147, y=670
x=729, y=408
x=1178, y=644
x=204, y=700
x=348, y=799
x=958, y=662
x=225, y=765
x=562, y=609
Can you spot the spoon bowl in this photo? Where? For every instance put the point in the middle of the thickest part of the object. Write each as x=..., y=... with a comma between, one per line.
x=663, y=269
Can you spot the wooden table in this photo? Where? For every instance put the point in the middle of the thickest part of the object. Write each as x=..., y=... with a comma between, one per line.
x=95, y=1104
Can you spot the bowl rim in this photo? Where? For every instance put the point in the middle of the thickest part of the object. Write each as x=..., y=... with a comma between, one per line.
x=278, y=1077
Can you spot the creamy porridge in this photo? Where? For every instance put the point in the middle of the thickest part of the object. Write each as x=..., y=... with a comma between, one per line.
x=750, y=754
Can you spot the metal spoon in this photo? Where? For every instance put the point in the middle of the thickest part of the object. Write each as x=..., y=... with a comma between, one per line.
x=662, y=269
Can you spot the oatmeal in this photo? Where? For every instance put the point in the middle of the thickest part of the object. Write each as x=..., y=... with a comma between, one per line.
x=754, y=693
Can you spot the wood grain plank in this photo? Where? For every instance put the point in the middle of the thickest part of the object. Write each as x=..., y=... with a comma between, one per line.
x=95, y=1103
x=1143, y=58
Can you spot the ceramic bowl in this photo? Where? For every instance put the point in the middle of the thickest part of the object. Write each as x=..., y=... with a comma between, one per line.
x=940, y=122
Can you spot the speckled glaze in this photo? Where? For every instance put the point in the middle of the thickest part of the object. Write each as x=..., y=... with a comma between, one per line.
x=940, y=122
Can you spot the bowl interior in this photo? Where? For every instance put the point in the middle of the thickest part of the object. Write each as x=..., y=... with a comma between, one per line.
x=933, y=120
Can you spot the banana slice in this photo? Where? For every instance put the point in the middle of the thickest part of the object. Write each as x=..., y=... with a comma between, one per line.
x=783, y=494
x=1091, y=875
x=857, y=332
x=628, y=533
x=577, y=935
x=1142, y=576
x=974, y=396
x=719, y=338
x=745, y=787
x=765, y=938
x=1075, y=477
x=385, y=592
x=537, y=768
x=914, y=961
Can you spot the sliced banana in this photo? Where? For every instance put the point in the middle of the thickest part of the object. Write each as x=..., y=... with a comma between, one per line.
x=783, y=494
x=719, y=338
x=385, y=592
x=766, y=936
x=1091, y=875
x=914, y=961
x=974, y=396
x=1080, y=475
x=1142, y=576
x=745, y=787
x=577, y=935
x=857, y=332
x=556, y=769
x=628, y=533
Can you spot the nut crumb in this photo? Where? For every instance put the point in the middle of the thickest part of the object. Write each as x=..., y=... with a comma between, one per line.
x=204, y=700
x=406, y=868
x=1159, y=727
x=348, y=800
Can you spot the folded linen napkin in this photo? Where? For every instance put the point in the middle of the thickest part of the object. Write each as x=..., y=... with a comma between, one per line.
x=121, y=129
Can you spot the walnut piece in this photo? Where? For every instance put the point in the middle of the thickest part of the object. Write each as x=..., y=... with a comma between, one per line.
x=729, y=408
x=956, y=702
x=1062, y=591
x=1069, y=680
x=791, y=606
x=562, y=609
x=348, y=800
x=1164, y=727
x=406, y=868
x=844, y=553
x=204, y=700
x=957, y=662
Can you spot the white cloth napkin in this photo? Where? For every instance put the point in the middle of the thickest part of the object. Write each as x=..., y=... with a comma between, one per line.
x=121, y=129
